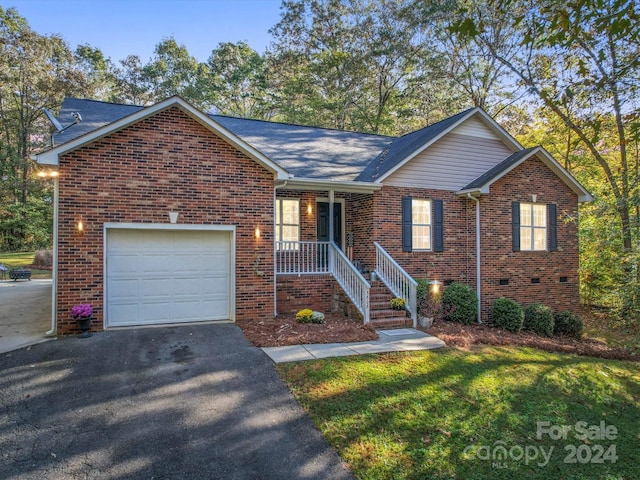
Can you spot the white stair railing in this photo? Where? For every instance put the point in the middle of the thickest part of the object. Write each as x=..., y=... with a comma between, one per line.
x=397, y=280
x=350, y=279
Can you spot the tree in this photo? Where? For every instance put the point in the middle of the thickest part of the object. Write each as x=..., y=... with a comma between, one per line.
x=347, y=64
x=580, y=59
x=172, y=71
x=36, y=72
x=236, y=82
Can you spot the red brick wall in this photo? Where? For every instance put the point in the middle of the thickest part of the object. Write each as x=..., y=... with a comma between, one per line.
x=499, y=261
x=306, y=291
x=166, y=162
x=455, y=263
x=458, y=261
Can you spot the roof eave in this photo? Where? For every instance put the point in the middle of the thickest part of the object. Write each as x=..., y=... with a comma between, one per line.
x=313, y=184
x=51, y=157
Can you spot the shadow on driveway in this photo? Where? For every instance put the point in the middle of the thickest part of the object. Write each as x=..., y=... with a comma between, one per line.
x=192, y=402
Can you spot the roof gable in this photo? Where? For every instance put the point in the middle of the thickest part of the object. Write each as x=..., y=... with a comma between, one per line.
x=482, y=184
x=136, y=114
x=403, y=149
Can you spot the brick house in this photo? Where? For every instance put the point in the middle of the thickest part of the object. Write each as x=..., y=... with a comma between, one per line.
x=165, y=214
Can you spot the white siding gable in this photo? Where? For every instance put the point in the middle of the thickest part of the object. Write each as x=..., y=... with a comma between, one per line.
x=453, y=161
x=474, y=127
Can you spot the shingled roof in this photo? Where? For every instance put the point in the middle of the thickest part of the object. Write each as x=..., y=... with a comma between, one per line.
x=317, y=154
x=309, y=152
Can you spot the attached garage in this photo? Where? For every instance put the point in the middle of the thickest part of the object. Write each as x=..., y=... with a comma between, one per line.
x=159, y=274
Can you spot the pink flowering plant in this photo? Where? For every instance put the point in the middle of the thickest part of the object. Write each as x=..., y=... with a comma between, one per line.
x=83, y=310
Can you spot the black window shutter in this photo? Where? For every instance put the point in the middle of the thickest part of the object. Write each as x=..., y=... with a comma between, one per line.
x=438, y=226
x=407, y=220
x=553, y=227
x=515, y=226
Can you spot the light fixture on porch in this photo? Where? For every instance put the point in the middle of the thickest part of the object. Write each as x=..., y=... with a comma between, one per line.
x=80, y=227
x=48, y=174
x=257, y=232
x=435, y=286
x=309, y=209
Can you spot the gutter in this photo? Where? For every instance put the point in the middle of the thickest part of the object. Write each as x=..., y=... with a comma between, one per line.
x=478, y=263
x=54, y=283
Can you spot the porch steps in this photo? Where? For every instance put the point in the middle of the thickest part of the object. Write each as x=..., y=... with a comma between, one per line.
x=380, y=312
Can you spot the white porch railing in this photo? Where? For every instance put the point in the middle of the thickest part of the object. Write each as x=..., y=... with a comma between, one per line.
x=350, y=279
x=397, y=280
x=302, y=258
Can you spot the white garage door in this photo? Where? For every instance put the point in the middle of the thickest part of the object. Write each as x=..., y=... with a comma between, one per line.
x=167, y=276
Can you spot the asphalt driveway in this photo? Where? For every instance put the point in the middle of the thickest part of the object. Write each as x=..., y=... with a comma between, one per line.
x=188, y=402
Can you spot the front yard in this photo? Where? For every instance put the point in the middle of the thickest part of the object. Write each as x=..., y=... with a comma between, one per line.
x=476, y=413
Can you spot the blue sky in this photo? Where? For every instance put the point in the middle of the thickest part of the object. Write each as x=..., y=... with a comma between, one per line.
x=123, y=27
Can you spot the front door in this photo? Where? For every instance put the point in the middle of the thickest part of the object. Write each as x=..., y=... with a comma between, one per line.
x=323, y=223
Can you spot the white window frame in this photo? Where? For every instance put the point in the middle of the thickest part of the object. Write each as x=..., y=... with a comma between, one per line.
x=279, y=223
x=429, y=225
x=532, y=228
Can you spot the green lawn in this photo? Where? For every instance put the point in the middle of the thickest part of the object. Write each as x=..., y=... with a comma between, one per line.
x=474, y=414
x=21, y=259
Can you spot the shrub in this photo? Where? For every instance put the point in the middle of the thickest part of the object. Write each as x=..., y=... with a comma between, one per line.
x=434, y=309
x=507, y=314
x=538, y=319
x=398, y=303
x=43, y=258
x=462, y=301
x=422, y=289
x=304, y=316
x=309, y=316
x=566, y=323
x=317, y=317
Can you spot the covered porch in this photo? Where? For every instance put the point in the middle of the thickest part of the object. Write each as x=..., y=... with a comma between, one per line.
x=324, y=240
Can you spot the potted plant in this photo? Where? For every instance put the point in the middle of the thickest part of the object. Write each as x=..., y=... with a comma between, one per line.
x=431, y=309
x=82, y=314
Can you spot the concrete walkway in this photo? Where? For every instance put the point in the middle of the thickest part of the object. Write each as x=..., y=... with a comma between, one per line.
x=25, y=313
x=401, y=340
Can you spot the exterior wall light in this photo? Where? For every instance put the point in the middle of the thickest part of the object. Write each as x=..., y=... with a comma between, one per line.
x=309, y=209
x=80, y=227
x=257, y=232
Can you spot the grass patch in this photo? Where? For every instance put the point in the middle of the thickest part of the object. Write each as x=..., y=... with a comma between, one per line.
x=600, y=325
x=22, y=259
x=438, y=414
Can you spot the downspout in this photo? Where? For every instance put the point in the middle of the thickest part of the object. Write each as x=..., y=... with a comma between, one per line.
x=478, y=263
x=54, y=282
x=275, y=256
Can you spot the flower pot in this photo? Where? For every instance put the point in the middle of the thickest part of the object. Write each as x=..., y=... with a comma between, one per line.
x=425, y=322
x=84, y=324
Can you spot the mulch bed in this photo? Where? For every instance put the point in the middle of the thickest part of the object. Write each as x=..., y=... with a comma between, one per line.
x=285, y=330
x=456, y=334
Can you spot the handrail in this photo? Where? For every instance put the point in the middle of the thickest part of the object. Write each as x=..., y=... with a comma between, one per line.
x=350, y=279
x=397, y=280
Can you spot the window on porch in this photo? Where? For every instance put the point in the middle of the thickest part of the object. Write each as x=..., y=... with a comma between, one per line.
x=287, y=223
